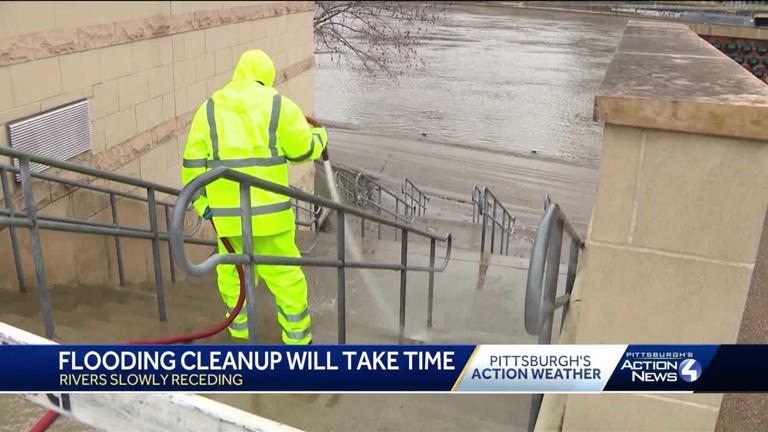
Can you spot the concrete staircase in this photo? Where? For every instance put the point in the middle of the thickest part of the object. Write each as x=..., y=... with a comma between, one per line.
x=465, y=311
x=470, y=296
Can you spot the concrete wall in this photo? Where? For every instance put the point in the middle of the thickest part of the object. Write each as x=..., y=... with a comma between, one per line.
x=674, y=235
x=145, y=67
x=738, y=32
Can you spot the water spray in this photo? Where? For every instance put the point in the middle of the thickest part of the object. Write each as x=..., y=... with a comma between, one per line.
x=351, y=244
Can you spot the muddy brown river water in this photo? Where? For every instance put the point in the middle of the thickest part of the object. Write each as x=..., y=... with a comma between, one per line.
x=493, y=76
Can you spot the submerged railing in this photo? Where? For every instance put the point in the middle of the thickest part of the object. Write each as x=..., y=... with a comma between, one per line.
x=415, y=198
x=345, y=183
x=29, y=218
x=486, y=208
x=372, y=195
x=366, y=193
x=248, y=259
x=543, y=275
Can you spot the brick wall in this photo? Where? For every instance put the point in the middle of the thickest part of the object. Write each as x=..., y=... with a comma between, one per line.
x=145, y=67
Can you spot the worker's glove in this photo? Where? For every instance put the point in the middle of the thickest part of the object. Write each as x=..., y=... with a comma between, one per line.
x=207, y=215
x=323, y=134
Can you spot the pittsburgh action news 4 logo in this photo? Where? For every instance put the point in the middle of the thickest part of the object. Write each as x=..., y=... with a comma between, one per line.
x=690, y=370
x=661, y=366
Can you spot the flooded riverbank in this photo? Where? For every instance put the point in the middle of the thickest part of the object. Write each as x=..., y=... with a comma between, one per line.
x=493, y=76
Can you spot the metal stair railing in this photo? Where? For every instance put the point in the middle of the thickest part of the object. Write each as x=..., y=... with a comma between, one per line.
x=485, y=207
x=345, y=184
x=311, y=221
x=415, y=197
x=477, y=203
x=248, y=259
x=372, y=194
x=541, y=288
x=363, y=191
x=29, y=218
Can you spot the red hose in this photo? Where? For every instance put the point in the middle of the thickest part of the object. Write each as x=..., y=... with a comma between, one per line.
x=312, y=121
x=51, y=416
x=45, y=421
x=189, y=337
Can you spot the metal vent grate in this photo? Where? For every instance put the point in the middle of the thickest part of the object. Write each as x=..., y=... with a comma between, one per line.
x=61, y=133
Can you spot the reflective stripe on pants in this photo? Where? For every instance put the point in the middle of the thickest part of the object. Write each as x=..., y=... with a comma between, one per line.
x=287, y=284
x=238, y=328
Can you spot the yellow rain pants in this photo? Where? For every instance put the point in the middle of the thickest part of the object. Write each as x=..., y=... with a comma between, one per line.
x=287, y=284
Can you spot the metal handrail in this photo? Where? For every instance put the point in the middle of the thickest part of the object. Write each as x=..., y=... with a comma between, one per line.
x=365, y=187
x=345, y=180
x=364, y=193
x=541, y=287
x=248, y=259
x=312, y=222
x=477, y=203
x=368, y=193
x=29, y=218
x=415, y=196
x=486, y=204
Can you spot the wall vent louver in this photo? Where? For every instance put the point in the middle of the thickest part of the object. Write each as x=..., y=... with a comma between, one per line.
x=61, y=133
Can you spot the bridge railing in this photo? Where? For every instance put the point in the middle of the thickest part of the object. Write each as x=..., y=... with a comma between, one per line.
x=248, y=259
x=29, y=218
x=541, y=299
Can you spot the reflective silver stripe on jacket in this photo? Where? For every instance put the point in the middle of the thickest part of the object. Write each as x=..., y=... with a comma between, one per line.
x=233, y=163
x=318, y=136
x=238, y=326
x=242, y=312
x=293, y=317
x=256, y=210
x=299, y=335
x=308, y=154
x=212, y=128
x=274, y=119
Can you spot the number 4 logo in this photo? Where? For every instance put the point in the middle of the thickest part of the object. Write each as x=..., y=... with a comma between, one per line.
x=689, y=370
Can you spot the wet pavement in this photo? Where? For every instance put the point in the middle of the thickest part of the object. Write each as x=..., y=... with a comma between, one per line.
x=450, y=171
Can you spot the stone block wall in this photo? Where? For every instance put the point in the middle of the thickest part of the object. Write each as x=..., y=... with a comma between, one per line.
x=677, y=221
x=145, y=68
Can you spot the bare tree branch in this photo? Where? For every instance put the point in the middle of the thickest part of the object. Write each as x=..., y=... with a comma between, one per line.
x=381, y=36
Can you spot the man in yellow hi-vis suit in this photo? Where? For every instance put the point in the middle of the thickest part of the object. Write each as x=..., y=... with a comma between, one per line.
x=247, y=126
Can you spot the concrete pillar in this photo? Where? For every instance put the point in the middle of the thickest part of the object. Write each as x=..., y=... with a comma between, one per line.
x=745, y=411
x=677, y=221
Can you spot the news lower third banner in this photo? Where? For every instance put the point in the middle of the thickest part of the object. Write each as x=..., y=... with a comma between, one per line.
x=384, y=368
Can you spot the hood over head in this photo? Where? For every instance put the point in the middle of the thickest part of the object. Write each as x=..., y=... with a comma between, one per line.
x=255, y=65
